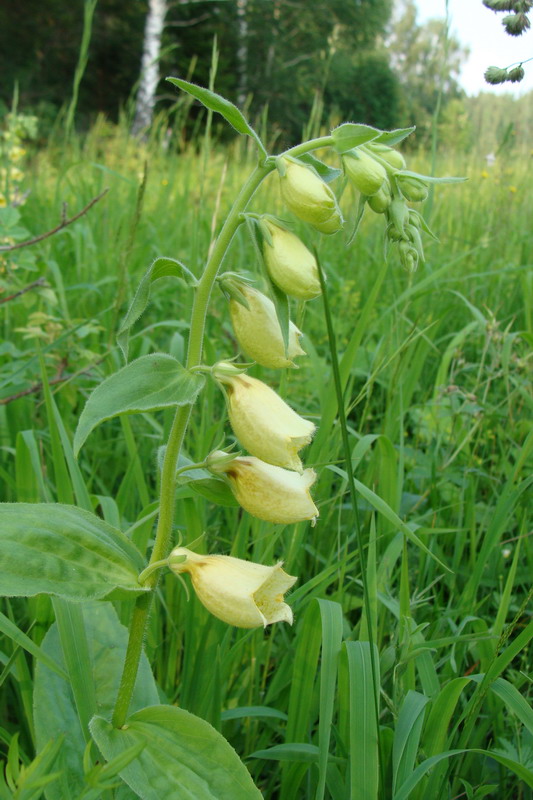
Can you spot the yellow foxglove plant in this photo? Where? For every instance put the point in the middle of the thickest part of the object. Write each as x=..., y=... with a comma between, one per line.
x=258, y=331
x=262, y=422
x=308, y=197
x=238, y=592
x=265, y=491
x=290, y=264
x=268, y=483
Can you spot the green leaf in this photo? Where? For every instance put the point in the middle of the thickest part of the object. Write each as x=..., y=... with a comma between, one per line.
x=292, y=751
x=327, y=173
x=202, y=482
x=362, y=739
x=350, y=135
x=395, y=136
x=407, y=736
x=161, y=268
x=150, y=383
x=222, y=106
x=64, y=551
x=183, y=757
x=54, y=705
x=429, y=178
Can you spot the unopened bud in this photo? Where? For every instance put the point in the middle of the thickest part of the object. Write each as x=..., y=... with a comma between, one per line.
x=388, y=154
x=259, y=333
x=495, y=75
x=290, y=264
x=307, y=196
x=413, y=189
x=516, y=24
x=380, y=201
x=366, y=174
x=408, y=256
x=516, y=74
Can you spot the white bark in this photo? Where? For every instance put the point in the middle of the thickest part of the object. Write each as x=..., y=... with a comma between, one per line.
x=153, y=32
x=242, y=52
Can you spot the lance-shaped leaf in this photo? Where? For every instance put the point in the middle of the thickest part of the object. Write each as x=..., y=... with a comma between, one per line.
x=65, y=551
x=183, y=756
x=150, y=383
x=395, y=136
x=161, y=268
x=222, y=106
x=407, y=173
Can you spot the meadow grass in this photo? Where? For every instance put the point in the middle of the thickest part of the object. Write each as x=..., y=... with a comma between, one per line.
x=435, y=371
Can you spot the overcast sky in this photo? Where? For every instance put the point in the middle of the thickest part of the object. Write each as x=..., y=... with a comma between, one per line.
x=483, y=33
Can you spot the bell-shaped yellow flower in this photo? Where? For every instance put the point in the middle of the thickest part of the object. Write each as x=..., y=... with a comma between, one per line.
x=263, y=423
x=290, y=264
x=268, y=492
x=307, y=196
x=238, y=592
x=259, y=333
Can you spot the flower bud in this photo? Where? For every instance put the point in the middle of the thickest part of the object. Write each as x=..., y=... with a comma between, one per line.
x=388, y=154
x=413, y=189
x=308, y=197
x=263, y=423
x=290, y=264
x=408, y=256
x=238, y=592
x=380, y=201
x=259, y=333
x=516, y=74
x=516, y=24
x=495, y=75
x=270, y=493
x=365, y=172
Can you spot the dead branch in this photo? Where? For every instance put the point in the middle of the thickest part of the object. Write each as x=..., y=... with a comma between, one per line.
x=63, y=224
x=39, y=282
x=60, y=378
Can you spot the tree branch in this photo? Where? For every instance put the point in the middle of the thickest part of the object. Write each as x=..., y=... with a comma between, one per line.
x=39, y=282
x=63, y=224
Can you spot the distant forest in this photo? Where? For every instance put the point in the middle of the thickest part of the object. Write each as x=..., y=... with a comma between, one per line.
x=366, y=60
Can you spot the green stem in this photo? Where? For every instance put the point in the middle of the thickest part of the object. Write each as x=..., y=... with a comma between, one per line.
x=175, y=441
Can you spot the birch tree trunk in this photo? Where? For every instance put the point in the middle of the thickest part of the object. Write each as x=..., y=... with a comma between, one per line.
x=242, y=52
x=153, y=31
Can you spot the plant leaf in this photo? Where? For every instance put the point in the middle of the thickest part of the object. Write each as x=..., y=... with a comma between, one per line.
x=161, y=268
x=65, y=551
x=395, y=136
x=222, y=106
x=327, y=173
x=183, y=756
x=350, y=135
x=54, y=706
x=149, y=383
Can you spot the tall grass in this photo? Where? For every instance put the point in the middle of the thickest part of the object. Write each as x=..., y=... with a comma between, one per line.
x=434, y=369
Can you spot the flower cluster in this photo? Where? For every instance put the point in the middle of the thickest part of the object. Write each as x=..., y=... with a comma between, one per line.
x=378, y=172
x=270, y=483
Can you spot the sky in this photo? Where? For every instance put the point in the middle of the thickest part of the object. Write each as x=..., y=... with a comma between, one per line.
x=481, y=30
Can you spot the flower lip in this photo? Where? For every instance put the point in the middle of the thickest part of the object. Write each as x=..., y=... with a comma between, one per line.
x=239, y=592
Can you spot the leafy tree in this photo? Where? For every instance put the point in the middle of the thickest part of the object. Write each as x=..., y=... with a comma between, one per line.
x=427, y=59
